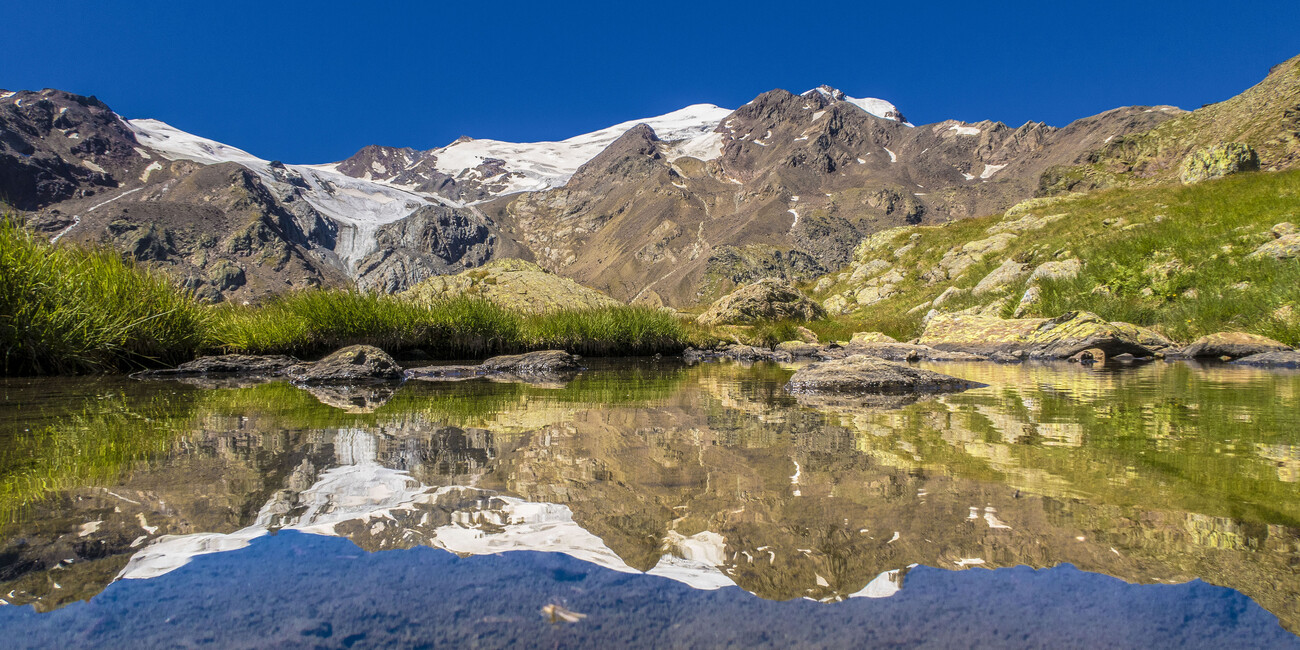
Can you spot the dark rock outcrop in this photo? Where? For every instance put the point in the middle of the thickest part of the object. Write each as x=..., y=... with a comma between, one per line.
x=226, y=365
x=351, y=364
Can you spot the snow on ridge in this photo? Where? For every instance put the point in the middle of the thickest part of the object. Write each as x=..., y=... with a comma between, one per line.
x=359, y=205
x=544, y=165
x=877, y=107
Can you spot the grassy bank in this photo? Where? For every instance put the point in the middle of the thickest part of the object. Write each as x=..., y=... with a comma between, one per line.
x=1176, y=258
x=453, y=328
x=65, y=310
x=68, y=310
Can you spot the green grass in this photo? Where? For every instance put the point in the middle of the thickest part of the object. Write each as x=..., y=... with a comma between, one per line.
x=462, y=327
x=1175, y=262
x=67, y=310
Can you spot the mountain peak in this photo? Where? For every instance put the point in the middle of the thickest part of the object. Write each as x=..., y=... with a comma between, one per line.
x=878, y=107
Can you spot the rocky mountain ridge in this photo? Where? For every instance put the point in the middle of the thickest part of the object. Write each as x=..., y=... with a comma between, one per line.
x=673, y=210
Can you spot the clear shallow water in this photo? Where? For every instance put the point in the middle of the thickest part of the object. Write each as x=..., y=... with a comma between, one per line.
x=1148, y=506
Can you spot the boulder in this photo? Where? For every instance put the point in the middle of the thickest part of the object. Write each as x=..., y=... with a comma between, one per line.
x=350, y=364
x=1233, y=344
x=871, y=376
x=226, y=365
x=1003, y=276
x=1219, y=160
x=1145, y=336
x=1283, y=248
x=1058, y=270
x=544, y=362
x=544, y=366
x=1284, y=359
x=767, y=299
x=1032, y=296
x=1283, y=229
x=1056, y=338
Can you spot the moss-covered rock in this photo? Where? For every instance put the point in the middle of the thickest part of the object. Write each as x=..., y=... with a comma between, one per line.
x=1233, y=344
x=1056, y=338
x=514, y=284
x=1217, y=161
x=767, y=299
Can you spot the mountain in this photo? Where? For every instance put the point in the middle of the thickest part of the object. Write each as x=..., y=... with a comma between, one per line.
x=673, y=210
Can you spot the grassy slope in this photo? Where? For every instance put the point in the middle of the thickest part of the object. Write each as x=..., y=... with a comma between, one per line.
x=1265, y=116
x=1201, y=244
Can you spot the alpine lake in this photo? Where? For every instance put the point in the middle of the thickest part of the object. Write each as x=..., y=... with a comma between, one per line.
x=650, y=503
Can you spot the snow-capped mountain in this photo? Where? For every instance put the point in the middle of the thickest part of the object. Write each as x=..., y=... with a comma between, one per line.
x=669, y=209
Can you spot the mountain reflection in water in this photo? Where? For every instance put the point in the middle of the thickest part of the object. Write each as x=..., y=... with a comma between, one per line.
x=709, y=476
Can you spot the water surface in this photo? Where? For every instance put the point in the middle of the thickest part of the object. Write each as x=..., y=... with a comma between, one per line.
x=687, y=506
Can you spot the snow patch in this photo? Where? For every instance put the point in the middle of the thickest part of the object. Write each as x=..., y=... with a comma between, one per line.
x=990, y=170
x=964, y=130
x=892, y=157
x=882, y=586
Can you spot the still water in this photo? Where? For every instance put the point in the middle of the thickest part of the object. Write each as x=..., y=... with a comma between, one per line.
x=648, y=503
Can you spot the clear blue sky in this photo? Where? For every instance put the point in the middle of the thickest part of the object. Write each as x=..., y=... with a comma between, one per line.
x=314, y=82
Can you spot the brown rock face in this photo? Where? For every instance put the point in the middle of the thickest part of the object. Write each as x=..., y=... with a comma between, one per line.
x=1233, y=344
x=768, y=299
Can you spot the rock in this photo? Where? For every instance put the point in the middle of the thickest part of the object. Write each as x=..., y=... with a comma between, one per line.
x=1033, y=295
x=1003, y=276
x=1057, y=270
x=544, y=362
x=513, y=284
x=1090, y=356
x=1057, y=338
x=544, y=366
x=353, y=363
x=1145, y=336
x=949, y=294
x=1217, y=161
x=1283, y=229
x=1007, y=357
x=865, y=271
x=871, y=337
x=956, y=261
x=244, y=365
x=899, y=352
x=797, y=349
x=768, y=299
x=872, y=295
x=1283, y=248
x=868, y=375
x=1234, y=345
x=806, y=335
x=1282, y=359
x=225, y=276
x=837, y=305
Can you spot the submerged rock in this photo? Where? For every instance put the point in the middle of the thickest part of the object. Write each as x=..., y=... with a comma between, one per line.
x=767, y=299
x=1281, y=359
x=543, y=366
x=862, y=374
x=1056, y=338
x=353, y=363
x=1234, y=345
x=226, y=365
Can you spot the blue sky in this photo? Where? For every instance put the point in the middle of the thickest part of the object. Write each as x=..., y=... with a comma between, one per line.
x=314, y=82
